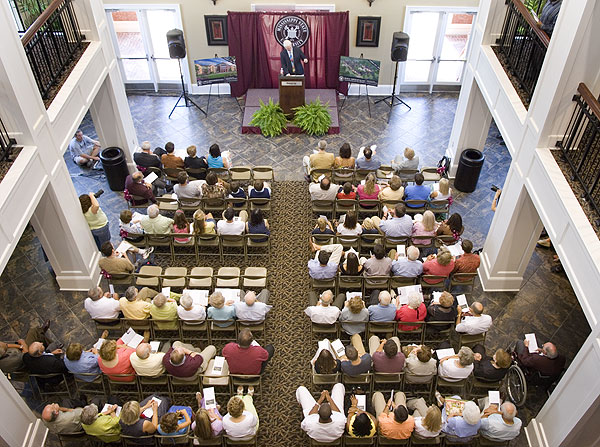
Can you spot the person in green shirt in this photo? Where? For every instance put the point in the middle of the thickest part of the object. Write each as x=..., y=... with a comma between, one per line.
x=96, y=219
x=104, y=426
x=164, y=308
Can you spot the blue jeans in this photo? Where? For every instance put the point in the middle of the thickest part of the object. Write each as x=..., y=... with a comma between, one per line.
x=101, y=235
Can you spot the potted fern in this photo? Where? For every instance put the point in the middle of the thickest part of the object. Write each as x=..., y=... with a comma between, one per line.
x=269, y=118
x=313, y=118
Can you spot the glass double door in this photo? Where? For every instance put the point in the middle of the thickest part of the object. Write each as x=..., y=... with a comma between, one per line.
x=438, y=48
x=139, y=38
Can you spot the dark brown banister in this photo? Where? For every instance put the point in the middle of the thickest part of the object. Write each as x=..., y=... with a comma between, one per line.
x=40, y=21
x=589, y=99
x=544, y=38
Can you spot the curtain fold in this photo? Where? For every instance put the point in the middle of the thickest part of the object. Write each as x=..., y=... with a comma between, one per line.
x=252, y=42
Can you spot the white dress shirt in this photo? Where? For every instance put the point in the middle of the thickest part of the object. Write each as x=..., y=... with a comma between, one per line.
x=323, y=314
x=197, y=313
x=234, y=228
x=102, y=309
x=256, y=312
x=451, y=372
x=474, y=325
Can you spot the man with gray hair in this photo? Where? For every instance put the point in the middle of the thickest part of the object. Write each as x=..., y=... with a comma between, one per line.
x=135, y=305
x=474, y=321
x=190, y=311
x=500, y=424
x=102, y=306
x=145, y=158
x=321, y=159
x=324, y=310
x=546, y=360
x=135, y=185
x=60, y=419
x=104, y=426
x=291, y=59
x=253, y=308
x=164, y=311
x=147, y=363
x=156, y=223
x=381, y=308
x=408, y=266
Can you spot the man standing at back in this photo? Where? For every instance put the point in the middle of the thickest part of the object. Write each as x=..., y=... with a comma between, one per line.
x=319, y=160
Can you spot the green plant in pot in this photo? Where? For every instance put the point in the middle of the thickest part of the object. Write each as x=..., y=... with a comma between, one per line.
x=269, y=118
x=313, y=118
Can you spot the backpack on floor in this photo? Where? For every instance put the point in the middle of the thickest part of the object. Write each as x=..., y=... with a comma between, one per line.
x=443, y=166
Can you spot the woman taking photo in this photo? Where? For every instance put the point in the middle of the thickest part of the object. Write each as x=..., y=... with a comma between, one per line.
x=96, y=219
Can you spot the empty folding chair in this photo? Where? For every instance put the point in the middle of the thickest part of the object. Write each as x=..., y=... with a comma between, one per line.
x=258, y=245
x=174, y=277
x=167, y=203
x=241, y=174
x=233, y=245
x=228, y=277
x=161, y=241
x=264, y=173
x=148, y=276
x=200, y=278
x=255, y=278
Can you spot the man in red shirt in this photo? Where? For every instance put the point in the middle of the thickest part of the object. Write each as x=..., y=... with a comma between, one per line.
x=244, y=358
x=134, y=183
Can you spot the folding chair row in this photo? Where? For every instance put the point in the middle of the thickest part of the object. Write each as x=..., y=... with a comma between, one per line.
x=374, y=207
x=216, y=206
x=383, y=173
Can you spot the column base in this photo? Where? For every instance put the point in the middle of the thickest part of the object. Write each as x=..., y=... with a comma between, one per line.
x=535, y=437
x=36, y=435
x=494, y=282
x=79, y=281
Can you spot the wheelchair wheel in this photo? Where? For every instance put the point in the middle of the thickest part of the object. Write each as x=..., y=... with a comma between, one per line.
x=516, y=385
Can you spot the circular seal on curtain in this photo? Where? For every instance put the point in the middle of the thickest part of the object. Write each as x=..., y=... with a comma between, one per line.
x=292, y=28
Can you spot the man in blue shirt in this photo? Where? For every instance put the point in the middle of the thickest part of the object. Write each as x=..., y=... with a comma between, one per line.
x=327, y=261
x=79, y=361
x=366, y=160
x=384, y=310
x=409, y=266
x=500, y=424
x=84, y=150
x=418, y=191
x=396, y=222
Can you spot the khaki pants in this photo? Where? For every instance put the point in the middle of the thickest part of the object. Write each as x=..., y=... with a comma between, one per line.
x=146, y=294
x=418, y=407
x=338, y=302
x=379, y=401
x=356, y=341
x=375, y=341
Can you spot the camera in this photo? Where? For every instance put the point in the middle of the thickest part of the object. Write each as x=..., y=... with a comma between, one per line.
x=494, y=188
x=98, y=193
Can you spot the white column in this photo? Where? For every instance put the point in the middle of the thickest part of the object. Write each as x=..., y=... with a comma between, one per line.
x=471, y=121
x=511, y=240
x=18, y=425
x=65, y=236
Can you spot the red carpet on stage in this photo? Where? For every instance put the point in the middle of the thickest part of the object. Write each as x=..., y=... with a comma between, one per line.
x=253, y=96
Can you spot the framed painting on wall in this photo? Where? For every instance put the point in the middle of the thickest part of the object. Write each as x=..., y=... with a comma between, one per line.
x=367, y=31
x=216, y=30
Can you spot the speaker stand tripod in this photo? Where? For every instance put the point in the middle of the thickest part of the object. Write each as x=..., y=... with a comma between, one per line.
x=393, y=96
x=188, y=101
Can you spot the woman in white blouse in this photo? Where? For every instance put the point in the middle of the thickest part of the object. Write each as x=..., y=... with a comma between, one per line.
x=241, y=420
x=428, y=420
x=350, y=226
x=457, y=367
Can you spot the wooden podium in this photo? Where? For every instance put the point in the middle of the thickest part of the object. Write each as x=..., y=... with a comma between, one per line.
x=291, y=93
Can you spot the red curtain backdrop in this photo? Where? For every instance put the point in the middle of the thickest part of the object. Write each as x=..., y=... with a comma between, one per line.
x=252, y=42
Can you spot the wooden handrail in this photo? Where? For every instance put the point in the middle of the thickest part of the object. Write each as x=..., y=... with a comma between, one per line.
x=39, y=22
x=589, y=99
x=545, y=39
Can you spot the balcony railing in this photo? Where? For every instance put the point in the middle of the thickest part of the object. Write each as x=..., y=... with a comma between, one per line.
x=580, y=146
x=6, y=142
x=523, y=47
x=52, y=43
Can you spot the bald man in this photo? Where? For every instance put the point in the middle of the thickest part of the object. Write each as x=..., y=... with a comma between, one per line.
x=253, y=308
x=291, y=59
x=381, y=308
x=147, y=363
x=500, y=424
x=134, y=183
x=324, y=309
x=473, y=321
x=40, y=359
x=324, y=420
x=60, y=419
x=547, y=361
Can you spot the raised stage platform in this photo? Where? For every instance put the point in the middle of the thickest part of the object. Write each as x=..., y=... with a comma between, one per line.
x=254, y=95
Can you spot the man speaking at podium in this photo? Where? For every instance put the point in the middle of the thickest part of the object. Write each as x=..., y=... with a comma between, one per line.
x=291, y=59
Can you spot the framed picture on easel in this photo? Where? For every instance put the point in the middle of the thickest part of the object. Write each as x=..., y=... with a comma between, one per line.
x=367, y=31
x=216, y=30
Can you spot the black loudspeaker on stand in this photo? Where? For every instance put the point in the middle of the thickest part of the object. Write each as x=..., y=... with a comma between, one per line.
x=177, y=51
x=399, y=54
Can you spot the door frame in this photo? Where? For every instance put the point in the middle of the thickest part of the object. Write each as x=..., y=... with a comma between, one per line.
x=304, y=7
x=437, y=46
x=144, y=27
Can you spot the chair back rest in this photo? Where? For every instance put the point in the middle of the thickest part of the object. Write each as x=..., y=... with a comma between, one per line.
x=401, y=281
x=322, y=203
x=232, y=239
x=172, y=172
x=369, y=204
x=413, y=205
x=464, y=278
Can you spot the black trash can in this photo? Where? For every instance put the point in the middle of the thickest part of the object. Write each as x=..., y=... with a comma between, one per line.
x=469, y=168
x=115, y=167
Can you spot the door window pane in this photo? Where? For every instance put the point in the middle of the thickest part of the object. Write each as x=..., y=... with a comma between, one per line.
x=449, y=71
x=422, y=34
x=136, y=70
x=417, y=71
x=129, y=35
x=168, y=69
x=159, y=22
x=456, y=37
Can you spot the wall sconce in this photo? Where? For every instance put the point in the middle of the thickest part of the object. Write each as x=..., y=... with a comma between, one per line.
x=370, y=2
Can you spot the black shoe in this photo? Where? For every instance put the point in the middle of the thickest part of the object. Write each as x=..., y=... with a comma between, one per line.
x=46, y=326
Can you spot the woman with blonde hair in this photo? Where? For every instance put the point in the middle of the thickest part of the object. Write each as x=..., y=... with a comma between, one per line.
x=219, y=310
x=241, y=421
x=132, y=424
x=208, y=424
x=428, y=420
x=440, y=265
x=114, y=359
x=426, y=227
x=203, y=223
x=368, y=191
x=395, y=190
x=354, y=316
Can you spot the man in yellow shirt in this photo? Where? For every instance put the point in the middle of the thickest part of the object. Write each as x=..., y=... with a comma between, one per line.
x=136, y=305
x=320, y=160
x=394, y=420
x=147, y=363
x=164, y=309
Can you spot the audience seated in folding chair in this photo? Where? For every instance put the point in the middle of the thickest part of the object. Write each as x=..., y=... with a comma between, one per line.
x=144, y=192
x=136, y=305
x=420, y=366
x=257, y=224
x=357, y=361
x=165, y=310
x=326, y=262
x=216, y=159
x=348, y=192
x=324, y=190
x=186, y=189
x=445, y=310
x=192, y=161
x=324, y=309
x=253, y=308
x=147, y=363
x=454, y=368
x=408, y=266
x=440, y=265
x=102, y=306
x=204, y=223
x=63, y=418
x=472, y=321
x=323, y=227
x=418, y=191
x=145, y=158
x=115, y=360
x=425, y=227
x=187, y=362
x=369, y=190
x=245, y=358
x=214, y=188
x=408, y=161
x=345, y=158
x=361, y=424
x=324, y=419
x=190, y=311
x=428, y=419
x=354, y=316
x=395, y=223
x=414, y=311
x=207, y=423
x=319, y=160
x=377, y=265
x=467, y=262
x=176, y=421
x=220, y=310
x=350, y=265
x=369, y=227
x=258, y=190
x=462, y=427
x=117, y=263
x=441, y=192
x=104, y=426
x=241, y=421
x=79, y=361
x=326, y=363
x=129, y=227
x=169, y=159
x=366, y=158
x=44, y=357
x=394, y=420
x=132, y=423
x=381, y=308
x=491, y=369
x=156, y=223
x=453, y=226
x=500, y=424
x=349, y=225
x=386, y=354
x=228, y=225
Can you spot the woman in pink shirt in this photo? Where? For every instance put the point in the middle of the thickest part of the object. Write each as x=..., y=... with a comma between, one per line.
x=414, y=311
x=441, y=265
x=368, y=191
x=426, y=227
x=114, y=359
x=181, y=225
